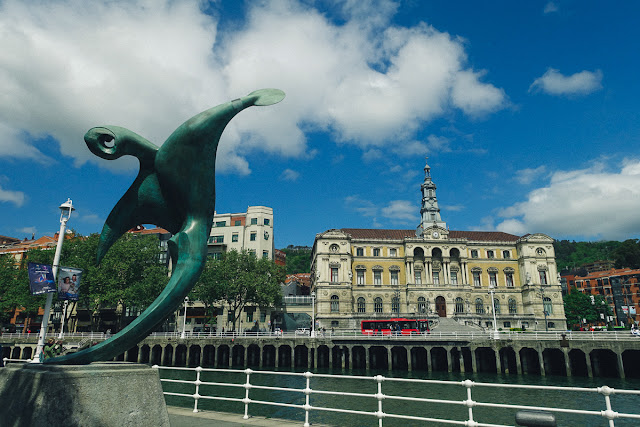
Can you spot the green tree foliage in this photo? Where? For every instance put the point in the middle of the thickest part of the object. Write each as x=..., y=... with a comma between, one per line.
x=238, y=279
x=571, y=255
x=298, y=260
x=627, y=254
x=578, y=306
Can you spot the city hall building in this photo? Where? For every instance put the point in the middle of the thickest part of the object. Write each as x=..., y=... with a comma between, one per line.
x=435, y=273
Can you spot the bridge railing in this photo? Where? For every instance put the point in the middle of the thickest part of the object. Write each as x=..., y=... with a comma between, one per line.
x=310, y=404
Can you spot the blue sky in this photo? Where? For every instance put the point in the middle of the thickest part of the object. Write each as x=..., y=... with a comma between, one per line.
x=528, y=111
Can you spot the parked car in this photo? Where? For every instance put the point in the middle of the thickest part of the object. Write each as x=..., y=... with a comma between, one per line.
x=303, y=331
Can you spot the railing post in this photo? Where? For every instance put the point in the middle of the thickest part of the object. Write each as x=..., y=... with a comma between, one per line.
x=196, y=395
x=469, y=403
x=246, y=399
x=380, y=397
x=307, y=392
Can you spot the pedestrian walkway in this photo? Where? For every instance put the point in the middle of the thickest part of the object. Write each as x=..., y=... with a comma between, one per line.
x=447, y=325
x=185, y=417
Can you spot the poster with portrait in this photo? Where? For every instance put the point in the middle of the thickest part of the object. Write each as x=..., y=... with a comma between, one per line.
x=41, y=278
x=69, y=283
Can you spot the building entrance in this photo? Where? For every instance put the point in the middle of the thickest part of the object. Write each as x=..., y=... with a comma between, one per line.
x=441, y=307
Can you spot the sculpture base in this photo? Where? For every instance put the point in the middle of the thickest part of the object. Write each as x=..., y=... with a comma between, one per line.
x=99, y=394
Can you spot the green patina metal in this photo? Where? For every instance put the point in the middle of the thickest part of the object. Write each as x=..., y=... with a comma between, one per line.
x=175, y=189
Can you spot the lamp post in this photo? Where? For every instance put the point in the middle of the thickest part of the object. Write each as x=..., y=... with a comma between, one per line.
x=65, y=213
x=184, y=319
x=313, y=315
x=492, y=291
x=64, y=314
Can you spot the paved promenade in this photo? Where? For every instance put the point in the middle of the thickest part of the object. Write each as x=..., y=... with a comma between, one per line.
x=185, y=417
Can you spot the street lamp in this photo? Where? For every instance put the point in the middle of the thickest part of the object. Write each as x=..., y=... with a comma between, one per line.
x=65, y=213
x=64, y=314
x=184, y=319
x=492, y=291
x=313, y=315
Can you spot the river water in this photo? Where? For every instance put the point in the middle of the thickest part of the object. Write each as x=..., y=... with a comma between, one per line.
x=561, y=399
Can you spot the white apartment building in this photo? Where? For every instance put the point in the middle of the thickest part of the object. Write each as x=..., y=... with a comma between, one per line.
x=251, y=231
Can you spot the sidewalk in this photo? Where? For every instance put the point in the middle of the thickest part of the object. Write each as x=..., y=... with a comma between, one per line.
x=185, y=417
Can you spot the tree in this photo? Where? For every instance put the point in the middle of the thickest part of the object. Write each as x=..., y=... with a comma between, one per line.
x=578, y=306
x=239, y=279
x=627, y=255
x=298, y=260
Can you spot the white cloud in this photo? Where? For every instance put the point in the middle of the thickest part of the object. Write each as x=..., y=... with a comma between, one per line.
x=597, y=202
x=400, y=212
x=27, y=230
x=550, y=7
x=289, y=175
x=454, y=208
x=363, y=207
x=526, y=176
x=553, y=82
x=15, y=197
x=149, y=65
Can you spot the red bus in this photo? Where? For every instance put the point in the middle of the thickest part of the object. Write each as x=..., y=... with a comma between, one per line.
x=398, y=326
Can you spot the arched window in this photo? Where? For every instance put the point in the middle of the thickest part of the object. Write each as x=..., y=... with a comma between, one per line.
x=496, y=304
x=335, y=304
x=361, y=305
x=548, y=307
x=459, y=305
x=422, y=305
x=377, y=305
x=513, y=307
x=395, y=305
x=479, y=306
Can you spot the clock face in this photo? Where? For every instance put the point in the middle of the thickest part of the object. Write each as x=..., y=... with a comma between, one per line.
x=435, y=234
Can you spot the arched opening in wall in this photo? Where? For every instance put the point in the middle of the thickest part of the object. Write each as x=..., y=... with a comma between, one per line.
x=323, y=356
x=508, y=360
x=631, y=362
x=145, y=354
x=284, y=356
x=208, y=356
x=27, y=353
x=167, y=356
x=378, y=358
x=486, y=360
x=6, y=352
x=441, y=306
x=301, y=356
x=454, y=255
x=419, y=358
x=454, y=355
x=399, y=359
x=345, y=354
x=156, y=355
x=15, y=354
x=529, y=360
x=194, y=356
x=466, y=357
x=181, y=355
x=132, y=354
x=237, y=358
x=578, y=361
x=253, y=355
x=268, y=356
x=336, y=357
x=439, y=361
x=436, y=254
x=418, y=254
x=554, y=362
x=119, y=358
x=223, y=356
x=604, y=363
x=359, y=357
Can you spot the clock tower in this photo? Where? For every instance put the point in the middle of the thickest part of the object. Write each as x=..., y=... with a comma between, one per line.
x=431, y=226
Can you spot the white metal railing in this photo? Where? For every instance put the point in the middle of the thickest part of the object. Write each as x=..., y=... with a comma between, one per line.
x=8, y=359
x=609, y=414
x=66, y=336
x=297, y=300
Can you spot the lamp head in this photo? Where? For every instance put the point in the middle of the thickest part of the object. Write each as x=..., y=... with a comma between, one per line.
x=65, y=209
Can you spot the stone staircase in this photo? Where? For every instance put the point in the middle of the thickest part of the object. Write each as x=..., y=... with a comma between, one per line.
x=448, y=325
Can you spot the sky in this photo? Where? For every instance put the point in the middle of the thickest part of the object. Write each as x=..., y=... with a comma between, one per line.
x=528, y=111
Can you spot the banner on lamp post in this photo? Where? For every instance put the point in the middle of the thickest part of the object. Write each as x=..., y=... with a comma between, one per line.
x=69, y=283
x=41, y=279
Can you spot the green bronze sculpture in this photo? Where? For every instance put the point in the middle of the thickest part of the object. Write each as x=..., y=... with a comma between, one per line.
x=175, y=189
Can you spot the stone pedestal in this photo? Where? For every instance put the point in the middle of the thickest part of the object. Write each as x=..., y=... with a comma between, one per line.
x=99, y=394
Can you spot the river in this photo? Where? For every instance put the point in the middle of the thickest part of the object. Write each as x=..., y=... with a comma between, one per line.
x=561, y=399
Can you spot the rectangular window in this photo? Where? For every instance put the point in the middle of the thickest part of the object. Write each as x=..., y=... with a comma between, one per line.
x=525, y=325
x=376, y=252
x=418, y=276
x=249, y=316
x=234, y=237
x=254, y=221
x=393, y=252
x=221, y=223
x=454, y=278
x=252, y=237
x=216, y=239
x=506, y=254
x=263, y=316
x=359, y=252
x=394, y=277
x=474, y=254
x=490, y=254
x=377, y=277
x=266, y=221
x=334, y=274
x=543, y=277
x=506, y=324
x=493, y=281
x=360, y=277
x=216, y=255
x=265, y=254
x=509, y=278
x=436, y=278
x=237, y=222
x=476, y=279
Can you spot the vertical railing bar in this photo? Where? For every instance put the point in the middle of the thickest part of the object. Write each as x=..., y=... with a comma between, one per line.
x=247, y=387
x=307, y=393
x=196, y=396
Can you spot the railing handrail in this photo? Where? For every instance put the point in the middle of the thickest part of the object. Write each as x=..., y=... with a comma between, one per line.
x=469, y=403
